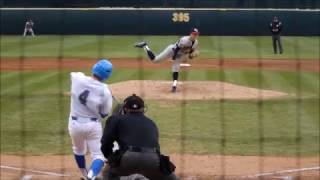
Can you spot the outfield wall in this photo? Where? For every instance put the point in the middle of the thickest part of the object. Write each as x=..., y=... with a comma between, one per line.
x=159, y=21
x=306, y=4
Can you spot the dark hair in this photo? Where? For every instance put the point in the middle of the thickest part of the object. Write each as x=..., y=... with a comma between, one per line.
x=97, y=77
x=134, y=103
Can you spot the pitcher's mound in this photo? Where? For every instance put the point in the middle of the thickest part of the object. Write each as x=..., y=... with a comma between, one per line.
x=190, y=90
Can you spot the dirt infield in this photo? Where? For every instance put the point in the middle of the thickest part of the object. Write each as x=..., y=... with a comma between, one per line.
x=191, y=167
x=43, y=64
x=190, y=90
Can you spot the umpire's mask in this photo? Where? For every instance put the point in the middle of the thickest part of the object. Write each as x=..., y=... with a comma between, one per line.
x=133, y=103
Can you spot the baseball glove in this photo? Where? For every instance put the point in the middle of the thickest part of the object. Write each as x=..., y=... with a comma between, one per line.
x=194, y=54
x=118, y=110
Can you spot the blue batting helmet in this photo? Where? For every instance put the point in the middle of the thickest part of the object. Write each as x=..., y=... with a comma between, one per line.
x=102, y=69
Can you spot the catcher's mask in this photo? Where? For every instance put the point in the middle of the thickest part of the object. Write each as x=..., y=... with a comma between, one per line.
x=133, y=103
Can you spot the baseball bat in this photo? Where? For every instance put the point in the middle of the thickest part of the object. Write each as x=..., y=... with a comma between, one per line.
x=115, y=100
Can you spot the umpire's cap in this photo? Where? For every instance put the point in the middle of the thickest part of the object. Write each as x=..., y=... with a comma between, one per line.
x=102, y=69
x=133, y=102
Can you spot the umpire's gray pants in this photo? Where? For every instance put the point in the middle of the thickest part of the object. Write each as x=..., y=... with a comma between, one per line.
x=276, y=40
x=146, y=164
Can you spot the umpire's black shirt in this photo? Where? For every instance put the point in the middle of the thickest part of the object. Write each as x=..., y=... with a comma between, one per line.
x=275, y=27
x=132, y=129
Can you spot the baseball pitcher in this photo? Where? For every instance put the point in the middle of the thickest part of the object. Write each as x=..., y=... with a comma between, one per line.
x=28, y=28
x=179, y=52
x=91, y=100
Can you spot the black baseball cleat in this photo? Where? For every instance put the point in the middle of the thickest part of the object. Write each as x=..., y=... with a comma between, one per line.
x=174, y=89
x=140, y=44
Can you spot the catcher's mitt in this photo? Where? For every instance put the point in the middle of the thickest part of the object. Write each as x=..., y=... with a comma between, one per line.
x=118, y=110
x=194, y=54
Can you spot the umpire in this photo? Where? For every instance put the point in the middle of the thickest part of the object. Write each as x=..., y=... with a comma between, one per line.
x=276, y=28
x=138, y=139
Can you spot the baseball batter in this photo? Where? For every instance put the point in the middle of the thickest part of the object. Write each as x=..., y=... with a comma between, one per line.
x=183, y=50
x=28, y=28
x=91, y=100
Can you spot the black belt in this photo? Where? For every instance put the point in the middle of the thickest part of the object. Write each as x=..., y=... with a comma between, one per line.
x=76, y=118
x=142, y=149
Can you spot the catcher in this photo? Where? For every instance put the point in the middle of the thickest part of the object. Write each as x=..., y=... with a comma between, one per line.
x=179, y=52
x=138, y=140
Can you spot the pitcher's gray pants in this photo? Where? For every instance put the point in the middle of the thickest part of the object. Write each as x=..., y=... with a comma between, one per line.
x=167, y=53
x=276, y=40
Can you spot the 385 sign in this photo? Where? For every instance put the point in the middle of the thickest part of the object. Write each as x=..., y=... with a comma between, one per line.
x=180, y=17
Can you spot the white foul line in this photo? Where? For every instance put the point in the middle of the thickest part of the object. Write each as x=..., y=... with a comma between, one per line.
x=282, y=171
x=35, y=171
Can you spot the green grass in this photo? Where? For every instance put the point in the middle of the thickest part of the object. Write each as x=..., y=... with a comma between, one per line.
x=201, y=127
x=122, y=46
x=36, y=122
x=34, y=112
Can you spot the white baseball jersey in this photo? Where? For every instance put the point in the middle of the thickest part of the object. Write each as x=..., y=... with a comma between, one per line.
x=186, y=45
x=89, y=98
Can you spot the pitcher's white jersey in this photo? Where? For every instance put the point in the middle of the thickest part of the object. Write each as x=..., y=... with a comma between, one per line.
x=89, y=97
x=186, y=45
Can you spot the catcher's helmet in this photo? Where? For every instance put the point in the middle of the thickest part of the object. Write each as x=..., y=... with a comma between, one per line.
x=133, y=102
x=102, y=69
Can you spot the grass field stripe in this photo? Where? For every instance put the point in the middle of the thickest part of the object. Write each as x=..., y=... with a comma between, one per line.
x=35, y=171
x=282, y=172
x=232, y=46
x=7, y=75
x=29, y=81
x=310, y=82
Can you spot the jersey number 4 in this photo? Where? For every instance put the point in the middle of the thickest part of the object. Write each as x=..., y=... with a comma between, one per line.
x=83, y=97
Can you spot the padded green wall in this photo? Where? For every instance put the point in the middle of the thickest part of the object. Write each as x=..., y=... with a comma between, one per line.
x=159, y=22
